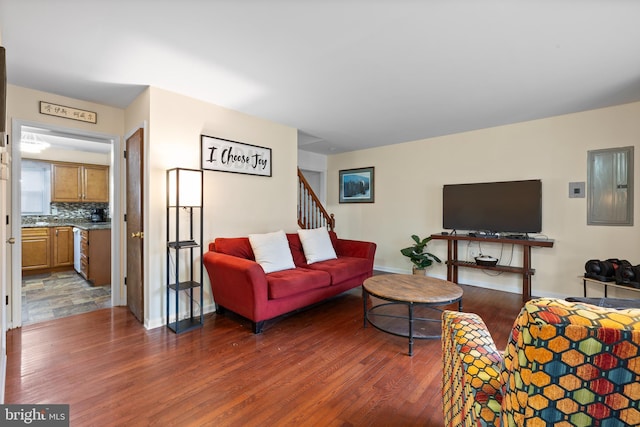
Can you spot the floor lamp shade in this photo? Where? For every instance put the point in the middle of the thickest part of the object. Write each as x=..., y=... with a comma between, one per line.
x=184, y=187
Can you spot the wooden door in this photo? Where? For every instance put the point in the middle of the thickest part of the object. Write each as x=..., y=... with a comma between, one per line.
x=96, y=183
x=62, y=246
x=67, y=182
x=134, y=224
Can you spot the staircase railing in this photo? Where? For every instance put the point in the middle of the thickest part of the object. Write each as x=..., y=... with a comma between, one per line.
x=311, y=213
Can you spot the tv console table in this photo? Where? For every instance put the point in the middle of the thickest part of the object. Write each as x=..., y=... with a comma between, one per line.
x=453, y=262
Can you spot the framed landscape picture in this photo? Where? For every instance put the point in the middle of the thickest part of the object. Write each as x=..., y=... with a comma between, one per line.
x=357, y=185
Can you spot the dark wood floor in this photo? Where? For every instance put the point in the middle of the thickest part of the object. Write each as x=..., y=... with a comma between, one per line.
x=316, y=367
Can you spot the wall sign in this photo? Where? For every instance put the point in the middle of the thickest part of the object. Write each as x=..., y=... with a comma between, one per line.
x=223, y=155
x=68, y=112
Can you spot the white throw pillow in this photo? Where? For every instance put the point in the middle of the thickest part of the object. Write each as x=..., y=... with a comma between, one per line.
x=272, y=251
x=316, y=245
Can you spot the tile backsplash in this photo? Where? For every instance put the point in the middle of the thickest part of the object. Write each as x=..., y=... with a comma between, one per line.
x=67, y=211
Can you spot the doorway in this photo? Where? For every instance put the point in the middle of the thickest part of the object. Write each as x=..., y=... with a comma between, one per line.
x=66, y=146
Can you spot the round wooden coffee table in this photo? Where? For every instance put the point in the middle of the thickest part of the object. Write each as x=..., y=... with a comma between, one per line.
x=417, y=293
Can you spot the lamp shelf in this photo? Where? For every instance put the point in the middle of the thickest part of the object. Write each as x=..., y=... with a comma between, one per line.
x=183, y=244
x=183, y=286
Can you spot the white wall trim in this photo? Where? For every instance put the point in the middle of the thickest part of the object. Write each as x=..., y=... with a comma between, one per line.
x=3, y=377
x=16, y=223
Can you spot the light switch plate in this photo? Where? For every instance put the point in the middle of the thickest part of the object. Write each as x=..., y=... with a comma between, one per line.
x=576, y=190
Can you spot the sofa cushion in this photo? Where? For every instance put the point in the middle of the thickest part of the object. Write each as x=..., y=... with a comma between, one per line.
x=291, y=282
x=272, y=251
x=316, y=245
x=296, y=250
x=235, y=246
x=343, y=268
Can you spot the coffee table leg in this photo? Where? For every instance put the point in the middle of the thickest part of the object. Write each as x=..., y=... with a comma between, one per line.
x=364, y=305
x=410, y=329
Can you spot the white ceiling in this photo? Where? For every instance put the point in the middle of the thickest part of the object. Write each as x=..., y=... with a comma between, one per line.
x=348, y=74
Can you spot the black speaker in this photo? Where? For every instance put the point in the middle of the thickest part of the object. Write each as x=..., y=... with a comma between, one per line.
x=3, y=93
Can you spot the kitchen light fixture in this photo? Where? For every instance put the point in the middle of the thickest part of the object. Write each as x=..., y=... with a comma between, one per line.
x=30, y=143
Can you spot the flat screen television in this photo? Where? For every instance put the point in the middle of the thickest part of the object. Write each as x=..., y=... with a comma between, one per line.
x=494, y=207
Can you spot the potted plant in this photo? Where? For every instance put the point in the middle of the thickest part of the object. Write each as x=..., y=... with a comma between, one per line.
x=416, y=253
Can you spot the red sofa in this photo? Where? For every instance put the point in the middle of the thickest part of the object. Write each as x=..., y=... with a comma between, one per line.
x=239, y=284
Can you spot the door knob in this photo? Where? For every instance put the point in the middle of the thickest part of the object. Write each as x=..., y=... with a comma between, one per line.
x=139, y=234
x=11, y=240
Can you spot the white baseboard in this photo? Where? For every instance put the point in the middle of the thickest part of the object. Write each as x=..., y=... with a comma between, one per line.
x=391, y=270
x=512, y=289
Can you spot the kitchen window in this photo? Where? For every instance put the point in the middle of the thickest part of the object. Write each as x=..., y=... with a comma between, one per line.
x=35, y=186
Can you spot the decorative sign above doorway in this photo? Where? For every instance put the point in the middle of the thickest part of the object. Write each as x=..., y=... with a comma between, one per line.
x=68, y=112
x=223, y=155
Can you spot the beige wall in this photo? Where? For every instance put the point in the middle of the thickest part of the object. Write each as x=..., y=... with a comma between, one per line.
x=234, y=204
x=24, y=104
x=408, y=194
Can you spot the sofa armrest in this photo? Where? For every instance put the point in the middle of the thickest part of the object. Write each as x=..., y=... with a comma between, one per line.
x=471, y=380
x=550, y=340
x=237, y=284
x=355, y=248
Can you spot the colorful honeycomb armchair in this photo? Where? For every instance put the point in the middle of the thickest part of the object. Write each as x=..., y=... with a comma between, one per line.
x=565, y=364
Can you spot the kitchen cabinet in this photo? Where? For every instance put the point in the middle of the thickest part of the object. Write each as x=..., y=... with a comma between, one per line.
x=45, y=248
x=76, y=182
x=95, y=183
x=95, y=256
x=36, y=248
x=62, y=246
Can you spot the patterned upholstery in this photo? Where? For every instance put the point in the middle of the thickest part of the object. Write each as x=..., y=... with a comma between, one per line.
x=565, y=364
x=471, y=374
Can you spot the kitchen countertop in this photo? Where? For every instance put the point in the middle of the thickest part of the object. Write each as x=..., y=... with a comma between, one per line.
x=71, y=223
x=93, y=225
